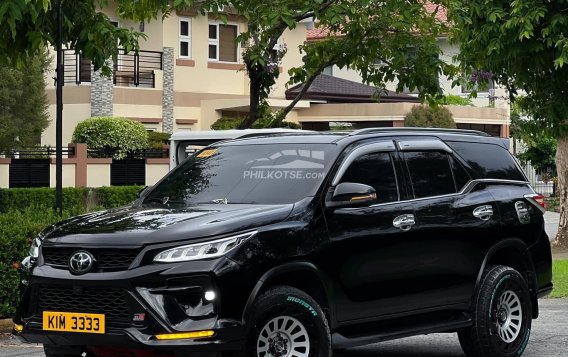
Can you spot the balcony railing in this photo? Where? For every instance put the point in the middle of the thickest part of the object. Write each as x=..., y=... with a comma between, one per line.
x=130, y=70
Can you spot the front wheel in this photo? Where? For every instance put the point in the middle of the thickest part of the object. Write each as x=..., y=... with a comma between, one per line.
x=286, y=322
x=502, y=317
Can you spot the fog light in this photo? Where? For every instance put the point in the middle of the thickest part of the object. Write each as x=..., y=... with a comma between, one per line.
x=182, y=335
x=209, y=295
x=18, y=328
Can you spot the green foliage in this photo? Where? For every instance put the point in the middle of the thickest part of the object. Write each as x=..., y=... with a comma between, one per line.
x=23, y=102
x=541, y=153
x=25, y=212
x=423, y=116
x=110, y=197
x=226, y=123
x=118, y=136
x=234, y=123
x=452, y=99
x=75, y=200
x=402, y=35
x=17, y=229
x=369, y=31
x=523, y=44
x=560, y=279
x=157, y=140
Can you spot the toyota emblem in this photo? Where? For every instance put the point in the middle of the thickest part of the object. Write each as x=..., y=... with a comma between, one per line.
x=81, y=262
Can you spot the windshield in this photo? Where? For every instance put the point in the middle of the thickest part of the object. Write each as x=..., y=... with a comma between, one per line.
x=251, y=174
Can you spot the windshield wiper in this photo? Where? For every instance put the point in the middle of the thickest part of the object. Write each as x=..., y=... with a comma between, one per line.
x=164, y=200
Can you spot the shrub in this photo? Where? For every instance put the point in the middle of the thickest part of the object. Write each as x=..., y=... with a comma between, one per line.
x=452, y=99
x=113, y=135
x=233, y=123
x=226, y=124
x=157, y=140
x=25, y=212
x=422, y=116
x=17, y=229
x=75, y=200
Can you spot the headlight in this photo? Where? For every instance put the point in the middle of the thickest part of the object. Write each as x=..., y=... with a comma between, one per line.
x=205, y=250
x=34, y=249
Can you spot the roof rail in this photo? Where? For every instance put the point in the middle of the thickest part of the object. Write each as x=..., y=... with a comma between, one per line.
x=427, y=130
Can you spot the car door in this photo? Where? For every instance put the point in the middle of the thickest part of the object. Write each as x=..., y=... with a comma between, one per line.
x=455, y=219
x=366, y=260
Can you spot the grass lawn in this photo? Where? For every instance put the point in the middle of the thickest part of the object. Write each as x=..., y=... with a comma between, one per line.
x=560, y=278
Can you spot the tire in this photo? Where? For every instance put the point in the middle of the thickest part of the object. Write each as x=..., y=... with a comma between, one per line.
x=502, y=303
x=287, y=322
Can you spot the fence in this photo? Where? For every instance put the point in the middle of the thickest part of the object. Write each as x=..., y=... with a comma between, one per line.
x=130, y=69
x=541, y=182
x=35, y=167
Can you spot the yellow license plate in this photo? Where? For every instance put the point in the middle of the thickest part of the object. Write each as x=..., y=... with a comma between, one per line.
x=73, y=322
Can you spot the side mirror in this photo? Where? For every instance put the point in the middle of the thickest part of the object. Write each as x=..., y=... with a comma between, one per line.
x=350, y=194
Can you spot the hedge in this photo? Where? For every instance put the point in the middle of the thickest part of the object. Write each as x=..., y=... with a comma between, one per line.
x=25, y=212
x=75, y=200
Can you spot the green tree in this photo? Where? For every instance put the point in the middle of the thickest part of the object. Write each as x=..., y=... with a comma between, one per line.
x=23, y=103
x=114, y=136
x=523, y=43
x=452, y=99
x=423, y=116
x=398, y=34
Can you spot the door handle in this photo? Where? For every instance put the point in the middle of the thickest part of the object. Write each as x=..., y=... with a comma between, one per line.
x=404, y=222
x=484, y=212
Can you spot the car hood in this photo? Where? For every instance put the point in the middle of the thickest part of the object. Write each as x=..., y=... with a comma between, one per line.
x=142, y=225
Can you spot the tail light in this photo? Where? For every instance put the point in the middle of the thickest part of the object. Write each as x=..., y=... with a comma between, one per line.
x=537, y=200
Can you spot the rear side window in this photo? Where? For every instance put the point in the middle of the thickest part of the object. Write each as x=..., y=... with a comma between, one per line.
x=430, y=173
x=488, y=160
x=377, y=171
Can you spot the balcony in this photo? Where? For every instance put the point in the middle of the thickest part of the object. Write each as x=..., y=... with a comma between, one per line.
x=130, y=70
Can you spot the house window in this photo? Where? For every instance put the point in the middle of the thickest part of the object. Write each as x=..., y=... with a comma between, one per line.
x=222, y=42
x=184, y=38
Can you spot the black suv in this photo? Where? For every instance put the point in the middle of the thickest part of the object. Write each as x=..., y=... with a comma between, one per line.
x=296, y=245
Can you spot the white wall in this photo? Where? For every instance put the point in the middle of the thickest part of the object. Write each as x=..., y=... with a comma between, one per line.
x=448, y=52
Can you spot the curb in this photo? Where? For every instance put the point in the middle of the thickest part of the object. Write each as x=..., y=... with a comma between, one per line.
x=6, y=325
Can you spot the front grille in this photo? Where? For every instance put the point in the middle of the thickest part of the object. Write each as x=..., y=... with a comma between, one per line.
x=110, y=302
x=106, y=259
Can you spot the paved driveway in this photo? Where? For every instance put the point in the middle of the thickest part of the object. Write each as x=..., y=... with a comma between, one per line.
x=549, y=339
x=551, y=220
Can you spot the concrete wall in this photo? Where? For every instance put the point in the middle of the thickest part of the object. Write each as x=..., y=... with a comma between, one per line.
x=368, y=112
x=68, y=175
x=4, y=172
x=98, y=175
x=156, y=169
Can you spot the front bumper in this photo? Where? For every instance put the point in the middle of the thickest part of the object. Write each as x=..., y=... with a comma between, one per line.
x=139, y=304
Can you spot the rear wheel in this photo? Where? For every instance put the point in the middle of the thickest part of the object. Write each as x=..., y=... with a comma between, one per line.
x=286, y=322
x=502, y=317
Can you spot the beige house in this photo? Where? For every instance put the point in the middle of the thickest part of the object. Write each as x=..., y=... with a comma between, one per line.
x=188, y=74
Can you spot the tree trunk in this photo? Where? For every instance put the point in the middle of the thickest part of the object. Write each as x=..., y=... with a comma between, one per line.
x=254, y=103
x=562, y=169
x=283, y=113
